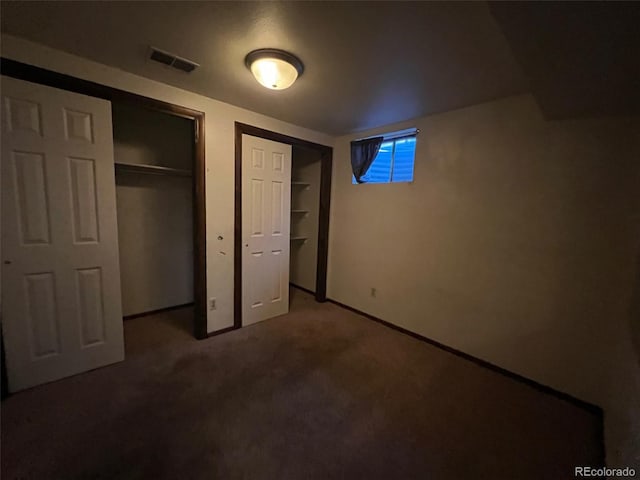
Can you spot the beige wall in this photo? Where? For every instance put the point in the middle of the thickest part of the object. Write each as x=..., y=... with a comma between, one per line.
x=516, y=243
x=219, y=151
x=305, y=167
x=155, y=214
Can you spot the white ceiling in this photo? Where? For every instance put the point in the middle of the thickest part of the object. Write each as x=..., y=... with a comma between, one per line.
x=366, y=63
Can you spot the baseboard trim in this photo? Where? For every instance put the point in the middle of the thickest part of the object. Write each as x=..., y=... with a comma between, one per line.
x=532, y=383
x=215, y=333
x=233, y=327
x=160, y=310
x=311, y=292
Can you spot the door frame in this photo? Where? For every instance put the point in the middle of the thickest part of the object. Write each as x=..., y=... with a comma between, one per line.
x=326, y=159
x=30, y=73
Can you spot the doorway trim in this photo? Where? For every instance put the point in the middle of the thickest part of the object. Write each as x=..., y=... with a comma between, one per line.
x=326, y=159
x=30, y=73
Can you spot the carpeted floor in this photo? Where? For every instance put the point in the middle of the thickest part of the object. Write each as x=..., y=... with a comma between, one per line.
x=318, y=393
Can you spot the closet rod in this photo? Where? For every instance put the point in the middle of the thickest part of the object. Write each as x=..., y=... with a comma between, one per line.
x=152, y=169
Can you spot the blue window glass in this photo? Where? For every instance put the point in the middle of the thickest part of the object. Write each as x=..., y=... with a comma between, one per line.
x=403, y=160
x=394, y=162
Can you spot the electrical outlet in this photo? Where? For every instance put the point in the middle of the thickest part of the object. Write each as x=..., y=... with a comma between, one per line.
x=373, y=292
x=212, y=304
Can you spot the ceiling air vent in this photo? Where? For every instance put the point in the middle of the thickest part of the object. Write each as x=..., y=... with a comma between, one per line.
x=172, y=60
x=184, y=65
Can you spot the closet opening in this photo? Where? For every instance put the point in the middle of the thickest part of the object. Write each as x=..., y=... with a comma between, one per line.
x=154, y=156
x=263, y=172
x=306, y=169
x=62, y=81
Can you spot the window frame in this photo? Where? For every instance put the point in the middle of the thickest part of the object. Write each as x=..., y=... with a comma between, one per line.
x=394, y=137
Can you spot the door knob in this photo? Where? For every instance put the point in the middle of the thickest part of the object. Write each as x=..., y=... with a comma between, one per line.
x=7, y=262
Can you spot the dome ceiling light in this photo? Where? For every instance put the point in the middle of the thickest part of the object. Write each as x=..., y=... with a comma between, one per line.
x=274, y=69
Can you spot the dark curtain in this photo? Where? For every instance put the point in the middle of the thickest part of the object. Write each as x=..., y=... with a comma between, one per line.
x=363, y=152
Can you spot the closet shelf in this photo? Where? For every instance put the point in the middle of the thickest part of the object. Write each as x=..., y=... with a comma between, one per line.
x=298, y=239
x=152, y=169
x=301, y=184
x=299, y=211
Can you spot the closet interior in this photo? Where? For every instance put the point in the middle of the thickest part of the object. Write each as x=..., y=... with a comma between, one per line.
x=154, y=154
x=305, y=210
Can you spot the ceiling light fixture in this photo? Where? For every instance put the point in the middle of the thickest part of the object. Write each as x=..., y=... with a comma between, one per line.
x=274, y=69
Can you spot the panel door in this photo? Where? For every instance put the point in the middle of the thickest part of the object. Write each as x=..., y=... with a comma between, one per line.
x=266, y=208
x=61, y=309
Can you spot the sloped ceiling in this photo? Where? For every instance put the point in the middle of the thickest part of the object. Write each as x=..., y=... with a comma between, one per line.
x=582, y=58
x=366, y=63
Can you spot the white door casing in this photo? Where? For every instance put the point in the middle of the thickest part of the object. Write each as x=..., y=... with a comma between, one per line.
x=266, y=207
x=61, y=307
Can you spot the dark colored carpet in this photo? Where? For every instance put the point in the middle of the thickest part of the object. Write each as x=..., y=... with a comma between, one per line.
x=319, y=393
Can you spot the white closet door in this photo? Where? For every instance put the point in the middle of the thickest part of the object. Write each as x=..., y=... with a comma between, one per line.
x=266, y=217
x=61, y=310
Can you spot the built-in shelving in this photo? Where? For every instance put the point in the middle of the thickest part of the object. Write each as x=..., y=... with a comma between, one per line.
x=152, y=169
x=299, y=213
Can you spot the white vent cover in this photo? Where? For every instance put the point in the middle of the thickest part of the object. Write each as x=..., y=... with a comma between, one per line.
x=172, y=60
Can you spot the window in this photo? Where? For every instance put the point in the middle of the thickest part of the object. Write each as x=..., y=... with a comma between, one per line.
x=394, y=161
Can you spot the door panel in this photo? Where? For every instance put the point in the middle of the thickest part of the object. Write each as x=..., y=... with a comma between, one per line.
x=266, y=205
x=42, y=314
x=61, y=311
x=83, y=193
x=31, y=197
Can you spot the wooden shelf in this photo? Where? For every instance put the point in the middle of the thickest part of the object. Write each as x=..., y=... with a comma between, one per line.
x=299, y=211
x=152, y=169
x=298, y=239
x=301, y=184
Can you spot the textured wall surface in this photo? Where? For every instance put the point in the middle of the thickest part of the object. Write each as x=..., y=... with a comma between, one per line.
x=516, y=243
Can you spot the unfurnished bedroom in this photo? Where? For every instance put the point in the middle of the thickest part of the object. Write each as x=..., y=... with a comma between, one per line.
x=314, y=240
